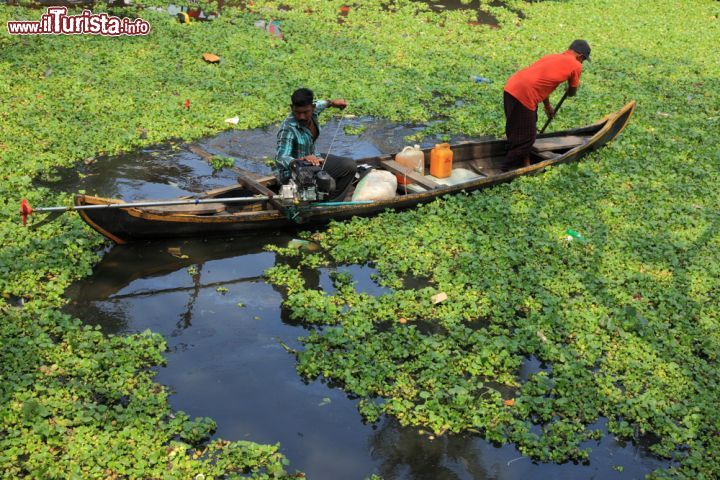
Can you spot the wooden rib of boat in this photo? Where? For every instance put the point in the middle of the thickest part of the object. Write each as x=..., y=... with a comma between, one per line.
x=476, y=165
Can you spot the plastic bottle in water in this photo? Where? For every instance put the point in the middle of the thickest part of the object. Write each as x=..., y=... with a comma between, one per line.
x=478, y=79
x=573, y=235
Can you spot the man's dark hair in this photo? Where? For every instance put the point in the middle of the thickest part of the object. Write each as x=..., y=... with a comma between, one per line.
x=302, y=97
x=582, y=47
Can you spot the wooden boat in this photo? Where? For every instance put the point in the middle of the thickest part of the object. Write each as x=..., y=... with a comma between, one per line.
x=477, y=165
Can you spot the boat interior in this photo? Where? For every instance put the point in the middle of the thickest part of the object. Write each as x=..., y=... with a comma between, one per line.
x=471, y=161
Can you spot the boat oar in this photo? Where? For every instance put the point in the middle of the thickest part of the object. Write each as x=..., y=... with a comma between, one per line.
x=26, y=210
x=556, y=110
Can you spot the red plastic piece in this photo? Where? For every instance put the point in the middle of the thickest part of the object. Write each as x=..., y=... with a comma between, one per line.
x=273, y=29
x=25, y=210
x=187, y=104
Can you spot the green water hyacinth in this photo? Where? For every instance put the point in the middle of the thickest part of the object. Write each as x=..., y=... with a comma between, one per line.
x=219, y=162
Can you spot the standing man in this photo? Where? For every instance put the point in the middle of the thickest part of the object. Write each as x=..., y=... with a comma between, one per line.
x=296, y=141
x=532, y=85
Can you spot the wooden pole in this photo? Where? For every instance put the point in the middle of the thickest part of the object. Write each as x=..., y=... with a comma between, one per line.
x=556, y=110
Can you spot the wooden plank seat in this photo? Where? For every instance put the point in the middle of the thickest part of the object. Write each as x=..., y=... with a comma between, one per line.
x=254, y=186
x=558, y=143
x=266, y=180
x=394, y=167
x=545, y=155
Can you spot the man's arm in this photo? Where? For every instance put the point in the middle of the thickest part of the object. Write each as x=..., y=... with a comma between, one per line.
x=574, y=82
x=283, y=155
x=549, y=110
x=339, y=103
x=321, y=105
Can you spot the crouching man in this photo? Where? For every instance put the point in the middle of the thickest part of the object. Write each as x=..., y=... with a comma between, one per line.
x=296, y=141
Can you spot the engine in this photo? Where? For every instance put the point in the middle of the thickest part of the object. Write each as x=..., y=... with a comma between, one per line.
x=308, y=183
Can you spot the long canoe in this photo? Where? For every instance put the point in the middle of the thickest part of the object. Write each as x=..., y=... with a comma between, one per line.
x=476, y=165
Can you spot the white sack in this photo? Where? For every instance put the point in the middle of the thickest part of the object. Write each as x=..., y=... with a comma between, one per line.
x=376, y=185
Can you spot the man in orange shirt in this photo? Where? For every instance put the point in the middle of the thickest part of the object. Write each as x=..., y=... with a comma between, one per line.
x=532, y=85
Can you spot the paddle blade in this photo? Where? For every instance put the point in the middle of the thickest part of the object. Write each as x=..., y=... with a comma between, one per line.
x=25, y=210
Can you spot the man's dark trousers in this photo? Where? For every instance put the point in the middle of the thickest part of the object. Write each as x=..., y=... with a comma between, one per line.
x=520, y=129
x=342, y=169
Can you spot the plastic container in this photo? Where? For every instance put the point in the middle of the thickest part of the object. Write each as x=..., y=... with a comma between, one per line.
x=410, y=157
x=573, y=235
x=441, y=158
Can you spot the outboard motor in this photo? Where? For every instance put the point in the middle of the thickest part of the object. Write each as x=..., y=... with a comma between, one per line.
x=324, y=182
x=308, y=183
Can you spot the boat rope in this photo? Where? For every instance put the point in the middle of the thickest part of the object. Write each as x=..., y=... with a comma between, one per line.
x=332, y=142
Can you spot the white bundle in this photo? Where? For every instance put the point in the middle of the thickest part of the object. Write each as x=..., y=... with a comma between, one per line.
x=376, y=185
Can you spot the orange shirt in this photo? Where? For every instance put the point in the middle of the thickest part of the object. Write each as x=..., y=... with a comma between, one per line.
x=535, y=83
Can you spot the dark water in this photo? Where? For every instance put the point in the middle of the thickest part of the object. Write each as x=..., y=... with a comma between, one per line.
x=228, y=362
x=172, y=170
x=226, y=358
x=483, y=17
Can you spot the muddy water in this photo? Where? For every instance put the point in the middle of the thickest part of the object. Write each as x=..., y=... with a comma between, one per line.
x=227, y=332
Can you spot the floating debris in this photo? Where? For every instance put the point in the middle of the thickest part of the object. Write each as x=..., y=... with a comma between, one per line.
x=177, y=253
x=303, y=244
x=440, y=297
x=211, y=58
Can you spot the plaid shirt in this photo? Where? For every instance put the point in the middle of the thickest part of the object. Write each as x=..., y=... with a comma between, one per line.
x=295, y=141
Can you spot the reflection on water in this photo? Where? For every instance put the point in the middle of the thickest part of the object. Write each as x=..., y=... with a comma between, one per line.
x=225, y=329
x=226, y=360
